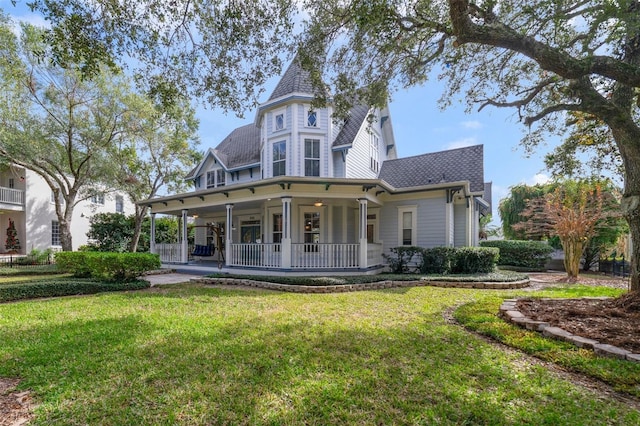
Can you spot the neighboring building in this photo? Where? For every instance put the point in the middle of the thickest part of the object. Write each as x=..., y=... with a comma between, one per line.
x=27, y=200
x=295, y=191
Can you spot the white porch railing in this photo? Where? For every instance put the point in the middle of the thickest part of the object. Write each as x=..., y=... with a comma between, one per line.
x=11, y=196
x=170, y=253
x=263, y=255
x=374, y=254
x=338, y=256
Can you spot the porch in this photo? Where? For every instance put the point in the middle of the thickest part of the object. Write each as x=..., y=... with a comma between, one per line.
x=272, y=256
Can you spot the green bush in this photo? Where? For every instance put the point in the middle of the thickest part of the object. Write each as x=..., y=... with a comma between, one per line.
x=107, y=266
x=401, y=260
x=63, y=287
x=529, y=255
x=438, y=260
x=473, y=260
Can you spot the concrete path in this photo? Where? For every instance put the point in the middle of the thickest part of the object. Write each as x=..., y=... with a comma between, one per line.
x=173, y=278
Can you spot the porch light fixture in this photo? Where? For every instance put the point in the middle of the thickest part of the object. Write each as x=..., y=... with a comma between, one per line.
x=318, y=203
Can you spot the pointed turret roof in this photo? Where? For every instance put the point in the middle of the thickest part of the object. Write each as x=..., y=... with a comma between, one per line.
x=294, y=80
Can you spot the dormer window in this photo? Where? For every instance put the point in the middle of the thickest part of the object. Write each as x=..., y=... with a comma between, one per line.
x=312, y=119
x=216, y=178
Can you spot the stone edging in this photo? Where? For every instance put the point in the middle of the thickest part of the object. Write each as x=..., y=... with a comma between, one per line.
x=509, y=312
x=343, y=288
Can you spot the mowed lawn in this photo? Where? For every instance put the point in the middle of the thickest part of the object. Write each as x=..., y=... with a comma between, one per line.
x=190, y=355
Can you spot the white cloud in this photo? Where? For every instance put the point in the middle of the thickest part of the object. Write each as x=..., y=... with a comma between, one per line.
x=461, y=143
x=539, y=179
x=474, y=124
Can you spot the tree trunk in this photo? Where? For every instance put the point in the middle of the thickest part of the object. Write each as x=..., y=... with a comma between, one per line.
x=141, y=212
x=572, y=255
x=65, y=235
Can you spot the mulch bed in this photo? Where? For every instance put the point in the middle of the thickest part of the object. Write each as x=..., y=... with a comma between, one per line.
x=612, y=321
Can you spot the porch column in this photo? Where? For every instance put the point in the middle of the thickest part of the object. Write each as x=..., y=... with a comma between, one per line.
x=152, y=236
x=363, y=233
x=449, y=230
x=228, y=235
x=470, y=227
x=285, y=245
x=184, y=248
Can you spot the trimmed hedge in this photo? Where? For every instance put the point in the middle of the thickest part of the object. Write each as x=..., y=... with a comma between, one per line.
x=57, y=287
x=442, y=260
x=107, y=266
x=530, y=255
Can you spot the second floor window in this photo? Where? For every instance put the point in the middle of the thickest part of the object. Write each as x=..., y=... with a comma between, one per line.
x=279, y=158
x=312, y=119
x=216, y=178
x=312, y=157
x=98, y=199
x=374, y=153
x=278, y=122
x=119, y=204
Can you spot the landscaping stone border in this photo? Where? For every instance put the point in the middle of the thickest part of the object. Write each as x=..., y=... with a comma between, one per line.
x=509, y=312
x=344, y=288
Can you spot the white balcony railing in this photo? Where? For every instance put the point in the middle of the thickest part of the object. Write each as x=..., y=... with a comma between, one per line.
x=11, y=196
x=374, y=255
x=169, y=253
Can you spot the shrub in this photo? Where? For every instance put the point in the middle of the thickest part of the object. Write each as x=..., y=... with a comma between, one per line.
x=437, y=260
x=401, y=259
x=531, y=255
x=474, y=260
x=107, y=266
x=63, y=287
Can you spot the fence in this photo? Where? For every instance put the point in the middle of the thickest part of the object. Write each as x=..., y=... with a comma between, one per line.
x=620, y=268
x=26, y=261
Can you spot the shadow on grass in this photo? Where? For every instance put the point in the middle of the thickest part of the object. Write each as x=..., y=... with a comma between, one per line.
x=159, y=360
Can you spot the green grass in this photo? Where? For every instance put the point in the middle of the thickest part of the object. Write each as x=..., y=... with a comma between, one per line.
x=28, y=270
x=481, y=317
x=191, y=355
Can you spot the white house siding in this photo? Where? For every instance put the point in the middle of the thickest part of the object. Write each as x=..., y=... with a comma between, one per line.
x=430, y=220
x=358, y=156
x=242, y=176
x=338, y=222
x=34, y=224
x=460, y=225
x=338, y=165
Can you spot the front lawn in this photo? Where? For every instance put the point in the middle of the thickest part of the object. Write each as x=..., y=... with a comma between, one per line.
x=193, y=355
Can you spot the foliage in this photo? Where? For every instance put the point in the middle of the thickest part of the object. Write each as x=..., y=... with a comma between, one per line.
x=441, y=260
x=401, y=260
x=107, y=266
x=221, y=51
x=56, y=287
x=12, y=243
x=511, y=207
x=574, y=211
x=529, y=255
x=111, y=232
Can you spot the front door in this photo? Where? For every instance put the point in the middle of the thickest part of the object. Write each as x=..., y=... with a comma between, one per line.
x=250, y=231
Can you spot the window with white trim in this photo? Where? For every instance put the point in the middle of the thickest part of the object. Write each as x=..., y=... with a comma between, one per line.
x=312, y=118
x=312, y=157
x=216, y=178
x=277, y=228
x=98, y=199
x=278, y=121
x=119, y=204
x=374, y=152
x=407, y=226
x=279, y=158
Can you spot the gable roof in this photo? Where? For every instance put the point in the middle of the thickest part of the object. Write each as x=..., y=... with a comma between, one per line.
x=239, y=149
x=455, y=165
x=294, y=80
x=350, y=128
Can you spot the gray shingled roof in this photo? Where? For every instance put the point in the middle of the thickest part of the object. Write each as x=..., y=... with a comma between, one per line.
x=349, y=130
x=454, y=165
x=294, y=80
x=240, y=148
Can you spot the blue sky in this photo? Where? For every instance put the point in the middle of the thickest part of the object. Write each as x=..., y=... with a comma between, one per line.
x=419, y=125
